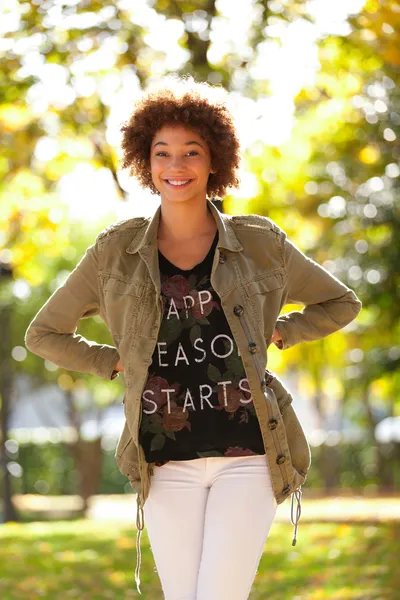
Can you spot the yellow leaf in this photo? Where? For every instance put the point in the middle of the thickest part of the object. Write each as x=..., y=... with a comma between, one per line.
x=369, y=155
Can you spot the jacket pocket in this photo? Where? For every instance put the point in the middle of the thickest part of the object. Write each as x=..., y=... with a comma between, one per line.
x=296, y=441
x=123, y=304
x=126, y=456
x=298, y=445
x=268, y=282
x=264, y=297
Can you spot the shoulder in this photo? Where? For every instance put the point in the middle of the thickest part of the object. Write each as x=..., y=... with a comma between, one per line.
x=254, y=221
x=124, y=226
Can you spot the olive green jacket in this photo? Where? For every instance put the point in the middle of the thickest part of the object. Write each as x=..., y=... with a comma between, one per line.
x=256, y=271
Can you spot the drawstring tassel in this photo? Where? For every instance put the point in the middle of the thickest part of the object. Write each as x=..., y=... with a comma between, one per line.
x=295, y=521
x=139, y=527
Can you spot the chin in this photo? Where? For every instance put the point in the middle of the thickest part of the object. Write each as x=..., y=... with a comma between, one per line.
x=179, y=198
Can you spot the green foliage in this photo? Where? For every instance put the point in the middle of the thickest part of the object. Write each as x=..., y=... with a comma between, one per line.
x=334, y=187
x=95, y=561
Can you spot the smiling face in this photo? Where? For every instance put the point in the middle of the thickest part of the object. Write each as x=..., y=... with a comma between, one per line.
x=180, y=163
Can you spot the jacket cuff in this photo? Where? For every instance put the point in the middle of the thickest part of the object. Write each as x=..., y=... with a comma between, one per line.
x=105, y=363
x=287, y=333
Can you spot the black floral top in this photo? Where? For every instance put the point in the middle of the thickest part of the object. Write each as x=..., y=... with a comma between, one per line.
x=196, y=401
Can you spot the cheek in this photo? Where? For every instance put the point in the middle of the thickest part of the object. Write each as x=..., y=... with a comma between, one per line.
x=154, y=174
x=154, y=170
x=203, y=166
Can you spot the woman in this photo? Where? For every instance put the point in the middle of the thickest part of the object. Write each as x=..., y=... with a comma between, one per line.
x=192, y=297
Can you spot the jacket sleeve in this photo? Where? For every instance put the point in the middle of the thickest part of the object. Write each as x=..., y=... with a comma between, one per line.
x=52, y=333
x=329, y=303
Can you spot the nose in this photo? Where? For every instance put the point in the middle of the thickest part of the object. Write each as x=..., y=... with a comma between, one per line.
x=176, y=163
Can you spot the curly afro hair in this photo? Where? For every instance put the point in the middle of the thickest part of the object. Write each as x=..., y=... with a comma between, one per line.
x=198, y=105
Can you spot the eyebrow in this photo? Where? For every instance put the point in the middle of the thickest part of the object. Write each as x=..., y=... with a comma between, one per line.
x=186, y=143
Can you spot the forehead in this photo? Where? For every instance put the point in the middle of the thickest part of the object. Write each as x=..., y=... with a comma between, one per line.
x=177, y=134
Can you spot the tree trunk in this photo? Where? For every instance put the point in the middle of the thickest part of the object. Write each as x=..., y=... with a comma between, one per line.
x=90, y=467
x=6, y=384
x=87, y=455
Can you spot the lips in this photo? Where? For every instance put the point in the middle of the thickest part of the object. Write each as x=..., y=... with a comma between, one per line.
x=178, y=183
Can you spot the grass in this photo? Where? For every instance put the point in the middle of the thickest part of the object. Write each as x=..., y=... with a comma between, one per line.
x=93, y=560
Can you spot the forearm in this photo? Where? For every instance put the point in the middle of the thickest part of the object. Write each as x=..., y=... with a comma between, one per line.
x=72, y=351
x=329, y=303
x=316, y=321
x=52, y=333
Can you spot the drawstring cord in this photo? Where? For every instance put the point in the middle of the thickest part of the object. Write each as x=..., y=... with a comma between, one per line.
x=139, y=527
x=295, y=521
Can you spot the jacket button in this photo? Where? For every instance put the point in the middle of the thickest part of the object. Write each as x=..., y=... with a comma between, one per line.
x=253, y=347
x=280, y=459
x=222, y=258
x=238, y=310
x=286, y=489
x=272, y=423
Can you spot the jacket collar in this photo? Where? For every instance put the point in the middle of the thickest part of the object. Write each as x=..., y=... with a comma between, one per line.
x=147, y=236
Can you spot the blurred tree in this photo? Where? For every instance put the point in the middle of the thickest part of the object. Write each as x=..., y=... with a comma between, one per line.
x=354, y=185
x=6, y=381
x=84, y=394
x=345, y=183
x=87, y=54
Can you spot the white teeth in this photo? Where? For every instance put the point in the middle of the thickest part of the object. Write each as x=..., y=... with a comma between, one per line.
x=177, y=182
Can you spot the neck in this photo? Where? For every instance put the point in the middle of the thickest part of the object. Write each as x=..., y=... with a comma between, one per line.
x=185, y=221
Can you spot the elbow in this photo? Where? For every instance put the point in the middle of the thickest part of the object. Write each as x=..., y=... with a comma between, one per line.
x=356, y=304
x=343, y=310
x=350, y=302
x=33, y=338
x=353, y=308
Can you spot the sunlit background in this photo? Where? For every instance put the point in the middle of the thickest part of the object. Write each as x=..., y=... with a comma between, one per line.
x=314, y=92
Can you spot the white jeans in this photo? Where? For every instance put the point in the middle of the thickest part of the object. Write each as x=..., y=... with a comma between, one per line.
x=207, y=521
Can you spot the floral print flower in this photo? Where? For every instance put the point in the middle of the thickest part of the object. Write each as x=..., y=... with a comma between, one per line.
x=233, y=397
x=176, y=419
x=156, y=384
x=175, y=287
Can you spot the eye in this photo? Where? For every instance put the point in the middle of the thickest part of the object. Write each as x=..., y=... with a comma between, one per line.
x=193, y=153
x=160, y=153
